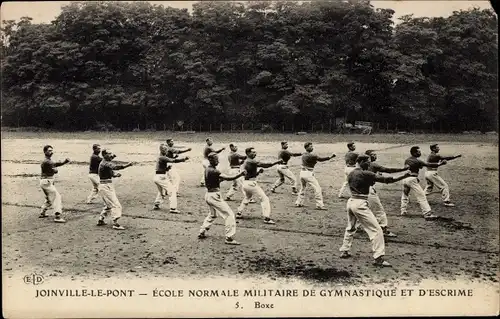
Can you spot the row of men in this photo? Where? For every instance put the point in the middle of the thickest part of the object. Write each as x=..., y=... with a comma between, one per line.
x=102, y=172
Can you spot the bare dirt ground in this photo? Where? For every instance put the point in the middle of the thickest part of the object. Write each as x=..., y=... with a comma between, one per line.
x=304, y=242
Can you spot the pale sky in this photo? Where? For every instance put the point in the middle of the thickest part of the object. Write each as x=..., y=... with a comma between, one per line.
x=46, y=11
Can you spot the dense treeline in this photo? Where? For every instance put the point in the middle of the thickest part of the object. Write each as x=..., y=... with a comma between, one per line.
x=130, y=64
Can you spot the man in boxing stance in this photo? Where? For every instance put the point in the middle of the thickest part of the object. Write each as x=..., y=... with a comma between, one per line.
x=283, y=170
x=373, y=199
x=162, y=182
x=250, y=186
x=358, y=210
x=172, y=152
x=52, y=196
x=412, y=184
x=309, y=160
x=235, y=160
x=95, y=160
x=216, y=203
x=350, y=164
x=106, y=173
x=207, y=150
x=432, y=177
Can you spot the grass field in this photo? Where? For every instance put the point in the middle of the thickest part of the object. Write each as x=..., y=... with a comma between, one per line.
x=304, y=242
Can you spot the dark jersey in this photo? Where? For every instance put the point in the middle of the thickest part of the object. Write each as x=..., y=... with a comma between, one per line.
x=171, y=152
x=360, y=181
x=285, y=156
x=95, y=160
x=49, y=168
x=207, y=150
x=350, y=158
x=414, y=164
x=212, y=178
x=235, y=159
x=309, y=160
x=251, y=166
x=434, y=158
x=162, y=164
x=106, y=170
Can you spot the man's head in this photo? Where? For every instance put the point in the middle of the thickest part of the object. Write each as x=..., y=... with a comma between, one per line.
x=170, y=142
x=284, y=145
x=209, y=141
x=435, y=148
x=108, y=155
x=251, y=153
x=372, y=154
x=351, y=146
x=363, y=161
x=233, y=147
x=96, y=148
x=163, y=149
x=308, y=146
x=213, y=159
x=415, y=151
x=48, y=151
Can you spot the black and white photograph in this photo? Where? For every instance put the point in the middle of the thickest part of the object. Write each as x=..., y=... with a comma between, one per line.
x=166, y=159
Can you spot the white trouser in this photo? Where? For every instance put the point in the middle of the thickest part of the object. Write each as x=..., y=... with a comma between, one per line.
x=113, y=206
x=164, y=188
x=94, y=193
x=284, y=171
x=358, y=211
x=174, y=177
x=205, y=163
x=411, y=184
x=433, y=179
x=307, y=177
x=377, y=208
x=217, y=205
x=237, y=183
x=252, y=189
x=344, y=190
x=52, y=197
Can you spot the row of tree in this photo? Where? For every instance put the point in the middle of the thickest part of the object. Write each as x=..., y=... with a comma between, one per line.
x=264, y=61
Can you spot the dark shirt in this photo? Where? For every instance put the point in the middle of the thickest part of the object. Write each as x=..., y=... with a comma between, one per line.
x=434, y=158
x=309, y=160
x=235, y=159
x=162, y=164
x=49, y=167
x=207, y=150
x=360, y=181
x=95, y=160
x=350, y=158
x=285, y=156
x=212, y=178
x=414, y=164
x=106, y=170
x=251, y=166
x=171, y=152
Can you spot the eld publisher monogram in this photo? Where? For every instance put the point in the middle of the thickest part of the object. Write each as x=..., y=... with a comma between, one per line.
x=33, y=279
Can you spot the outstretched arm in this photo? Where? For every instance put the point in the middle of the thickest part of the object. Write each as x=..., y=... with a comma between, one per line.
x=434, y=165
x=389, y=170
x=225, y=177
x=184, y=151
x=120, y=167
x=449, y=158
x=267, y=165
x=324, y=159
x=57, y=164
x=296, y=154
x=218, y=151
x=176, y=160
x=390, y=179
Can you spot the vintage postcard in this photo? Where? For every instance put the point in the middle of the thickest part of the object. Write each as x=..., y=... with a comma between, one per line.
x=249, y=159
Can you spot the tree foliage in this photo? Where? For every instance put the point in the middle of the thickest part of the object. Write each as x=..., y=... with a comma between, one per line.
x=279, y=62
